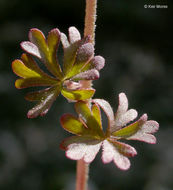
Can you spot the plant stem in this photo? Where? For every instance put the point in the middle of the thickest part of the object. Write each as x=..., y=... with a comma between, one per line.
x=90, y=19
x=82, y=175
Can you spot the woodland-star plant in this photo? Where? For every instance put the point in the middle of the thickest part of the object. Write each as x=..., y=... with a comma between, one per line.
x=73, y=79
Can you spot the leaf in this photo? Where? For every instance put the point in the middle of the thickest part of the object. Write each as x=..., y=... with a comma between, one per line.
x=97, y=115
x=35, y=81
x=122, y=116
x=81, y=94
x=45, y=50
x=89, y=118
x=44, y=104
x=111, y=152
x=30, y=48
x=83, y=56
x=42, y=94
x=71, y=124
x=74, y=35
x=107, y=109
x=98, y=62
x=31, y=74
x=145, y=131
x=130, y=129
x=70, y=48
x=140, y=130
x=92, y=74
x=85, y=148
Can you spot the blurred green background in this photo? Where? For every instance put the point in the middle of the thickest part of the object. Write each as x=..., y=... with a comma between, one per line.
x=137, y=44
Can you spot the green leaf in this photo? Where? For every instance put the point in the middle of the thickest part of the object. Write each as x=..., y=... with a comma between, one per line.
x=130, y=129
x=73, y=125
x=93, y=124
x=31, y=74
x=47, y=49
x=97, y=114
x=35, y=81
x=81, y=94
x=22, y=71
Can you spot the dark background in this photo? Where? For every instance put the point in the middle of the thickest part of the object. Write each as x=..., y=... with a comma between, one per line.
x=137, y=45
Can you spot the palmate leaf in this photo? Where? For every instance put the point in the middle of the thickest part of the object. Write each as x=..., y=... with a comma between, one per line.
x=45, y=50
x=31, y=74
x=117, y=152
x=88, y=123
x=79, y=64
x=90, y=136
x=79, y=94
x=45, y=99
x=81, y=147
x=140, y=130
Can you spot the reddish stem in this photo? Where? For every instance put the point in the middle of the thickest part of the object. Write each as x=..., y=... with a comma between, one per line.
x=82, y=175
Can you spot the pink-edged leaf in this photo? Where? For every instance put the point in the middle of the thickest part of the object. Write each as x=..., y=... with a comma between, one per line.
x=130, y=129
x=74, y=35
x=27, y=67
x=92, y=74
x=111, y=152
x=69, y=54
x=30, y=48
x=64, y=41
x=140, y=130
x=89, y=118
x=44, y=104
x=42, y=94
x=34, y=81
x=107, y=109
x=80, y=94
x=81, y=148
x=73, y=125
x=97, y=114
x=145, y=131
x=122, y=116
x=53, y=40
x=98, y=62
x=84, y=53
x=123, y=148
x=47, y=49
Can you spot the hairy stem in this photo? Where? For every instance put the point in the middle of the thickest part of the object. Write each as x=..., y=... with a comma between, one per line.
x=82, y=175
x=90, y=19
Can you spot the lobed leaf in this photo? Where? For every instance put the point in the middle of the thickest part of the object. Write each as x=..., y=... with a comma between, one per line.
x=42, y=94
x=107, y=109
x=34, y=81
x=94, y=124
x=74, y=35
x=111, y=152
x=31, y=74
x=85, y=148
x=70, y=48
x=44, y=103
x=80, y=94
x=45, y=50
x=123, y=115
x=92, y=74
x=73, y=125
x=130, y=129
x=98, y=62
x=83, y=56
